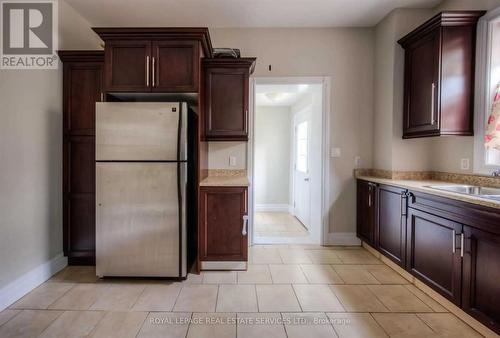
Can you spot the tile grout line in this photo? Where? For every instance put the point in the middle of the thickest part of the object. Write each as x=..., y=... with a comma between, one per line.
x=189, y=325
x=18, y=312
x=51, y=322
x=98, y=322
x=142, y=324
x=217, y=298
x=139, y=297
x=418, y=296
x=297, y=298
x=256, y=297
x=381, y=327
x=177, y=297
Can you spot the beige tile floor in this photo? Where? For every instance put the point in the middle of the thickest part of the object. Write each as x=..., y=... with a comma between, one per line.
x=288, y=291
x=278, y=224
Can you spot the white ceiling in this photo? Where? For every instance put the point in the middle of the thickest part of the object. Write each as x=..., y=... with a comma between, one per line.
x=241, y=13
x=280, y=95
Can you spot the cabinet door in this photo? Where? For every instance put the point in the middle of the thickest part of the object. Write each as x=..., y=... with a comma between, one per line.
x=391, y=225
x=79, y=199
x=175, y=66
x=221, y=221
x=366, y=193
x=481, y=276
x=82, y=89
x=434, y=252
x=128, y=66
x=226, y=106
x=421, y=107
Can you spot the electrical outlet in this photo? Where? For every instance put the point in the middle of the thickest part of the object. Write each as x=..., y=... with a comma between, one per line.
x=464, y=164
x=232, y=161
x=357, y=162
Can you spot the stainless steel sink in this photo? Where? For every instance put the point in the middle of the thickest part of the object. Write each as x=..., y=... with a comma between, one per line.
x=484, y=192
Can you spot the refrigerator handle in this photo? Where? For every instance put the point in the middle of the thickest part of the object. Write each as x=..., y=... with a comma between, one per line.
x=182, y=192
x=183, y=139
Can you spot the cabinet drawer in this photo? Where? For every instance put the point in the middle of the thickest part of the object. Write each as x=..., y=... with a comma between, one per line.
x=475, y=215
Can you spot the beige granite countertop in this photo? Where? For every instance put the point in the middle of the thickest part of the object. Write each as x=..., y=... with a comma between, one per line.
x=225, y=181
x=226, y=178
x=422, y=186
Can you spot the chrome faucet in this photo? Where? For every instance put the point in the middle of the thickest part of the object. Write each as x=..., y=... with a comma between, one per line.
x=496, y=173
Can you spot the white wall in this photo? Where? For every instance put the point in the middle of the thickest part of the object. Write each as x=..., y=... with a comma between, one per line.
x=345, y=54
x=31, y=157
x=272, y=150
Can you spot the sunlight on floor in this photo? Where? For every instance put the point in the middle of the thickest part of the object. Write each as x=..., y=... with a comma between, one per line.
x=278, y=224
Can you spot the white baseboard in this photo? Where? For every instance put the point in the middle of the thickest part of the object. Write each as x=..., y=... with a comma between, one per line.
x=30, y=280
x=342, y=238
x=273, y=208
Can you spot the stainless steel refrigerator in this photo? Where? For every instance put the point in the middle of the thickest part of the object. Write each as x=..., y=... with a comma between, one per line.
x=141, y=180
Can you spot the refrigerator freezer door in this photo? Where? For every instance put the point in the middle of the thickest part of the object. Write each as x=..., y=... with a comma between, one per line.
x=140, y=131
x=137, y=219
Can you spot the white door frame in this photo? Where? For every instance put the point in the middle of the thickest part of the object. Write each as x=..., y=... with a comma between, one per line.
x=325, y=146
x=293, y=183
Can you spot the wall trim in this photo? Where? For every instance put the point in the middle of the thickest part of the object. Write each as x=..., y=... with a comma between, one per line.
x=30, y=280
x=273, y=208
x=342, y=238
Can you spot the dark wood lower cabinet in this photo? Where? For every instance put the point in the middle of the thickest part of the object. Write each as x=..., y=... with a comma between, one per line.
x=222, y=232
x=391, y=225
x=433, y=254
x=366, y=211
x=481, y=276
x=450, y=245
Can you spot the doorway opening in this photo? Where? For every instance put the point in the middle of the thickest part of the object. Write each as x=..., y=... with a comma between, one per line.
x=287, y=161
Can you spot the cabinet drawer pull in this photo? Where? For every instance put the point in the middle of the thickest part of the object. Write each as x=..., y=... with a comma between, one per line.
x=403, y=203
x=154, y=72
x=462, y=244
x=454, y=238
x=245, y=225
x=433, y=90
x=147, y=71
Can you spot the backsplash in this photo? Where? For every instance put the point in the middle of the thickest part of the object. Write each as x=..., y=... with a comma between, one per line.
x=219, y=154
x=227, y=172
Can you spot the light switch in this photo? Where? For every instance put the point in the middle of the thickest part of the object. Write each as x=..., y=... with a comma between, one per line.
x=232, y=161
x=335, y=152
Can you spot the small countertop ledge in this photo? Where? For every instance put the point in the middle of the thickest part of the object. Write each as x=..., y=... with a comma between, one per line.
x=422, y=186
x=225, y=178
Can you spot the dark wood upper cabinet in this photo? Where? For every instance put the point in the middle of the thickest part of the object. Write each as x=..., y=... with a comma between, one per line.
x=434, y=252
x=175, y=66
x=439, y=75
x=481, y=287
x=226, y=93
x=127, y=66
x=145, y=60
x=366, y=211
x=82, y=83
x=391, y=224
x=222, y=233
